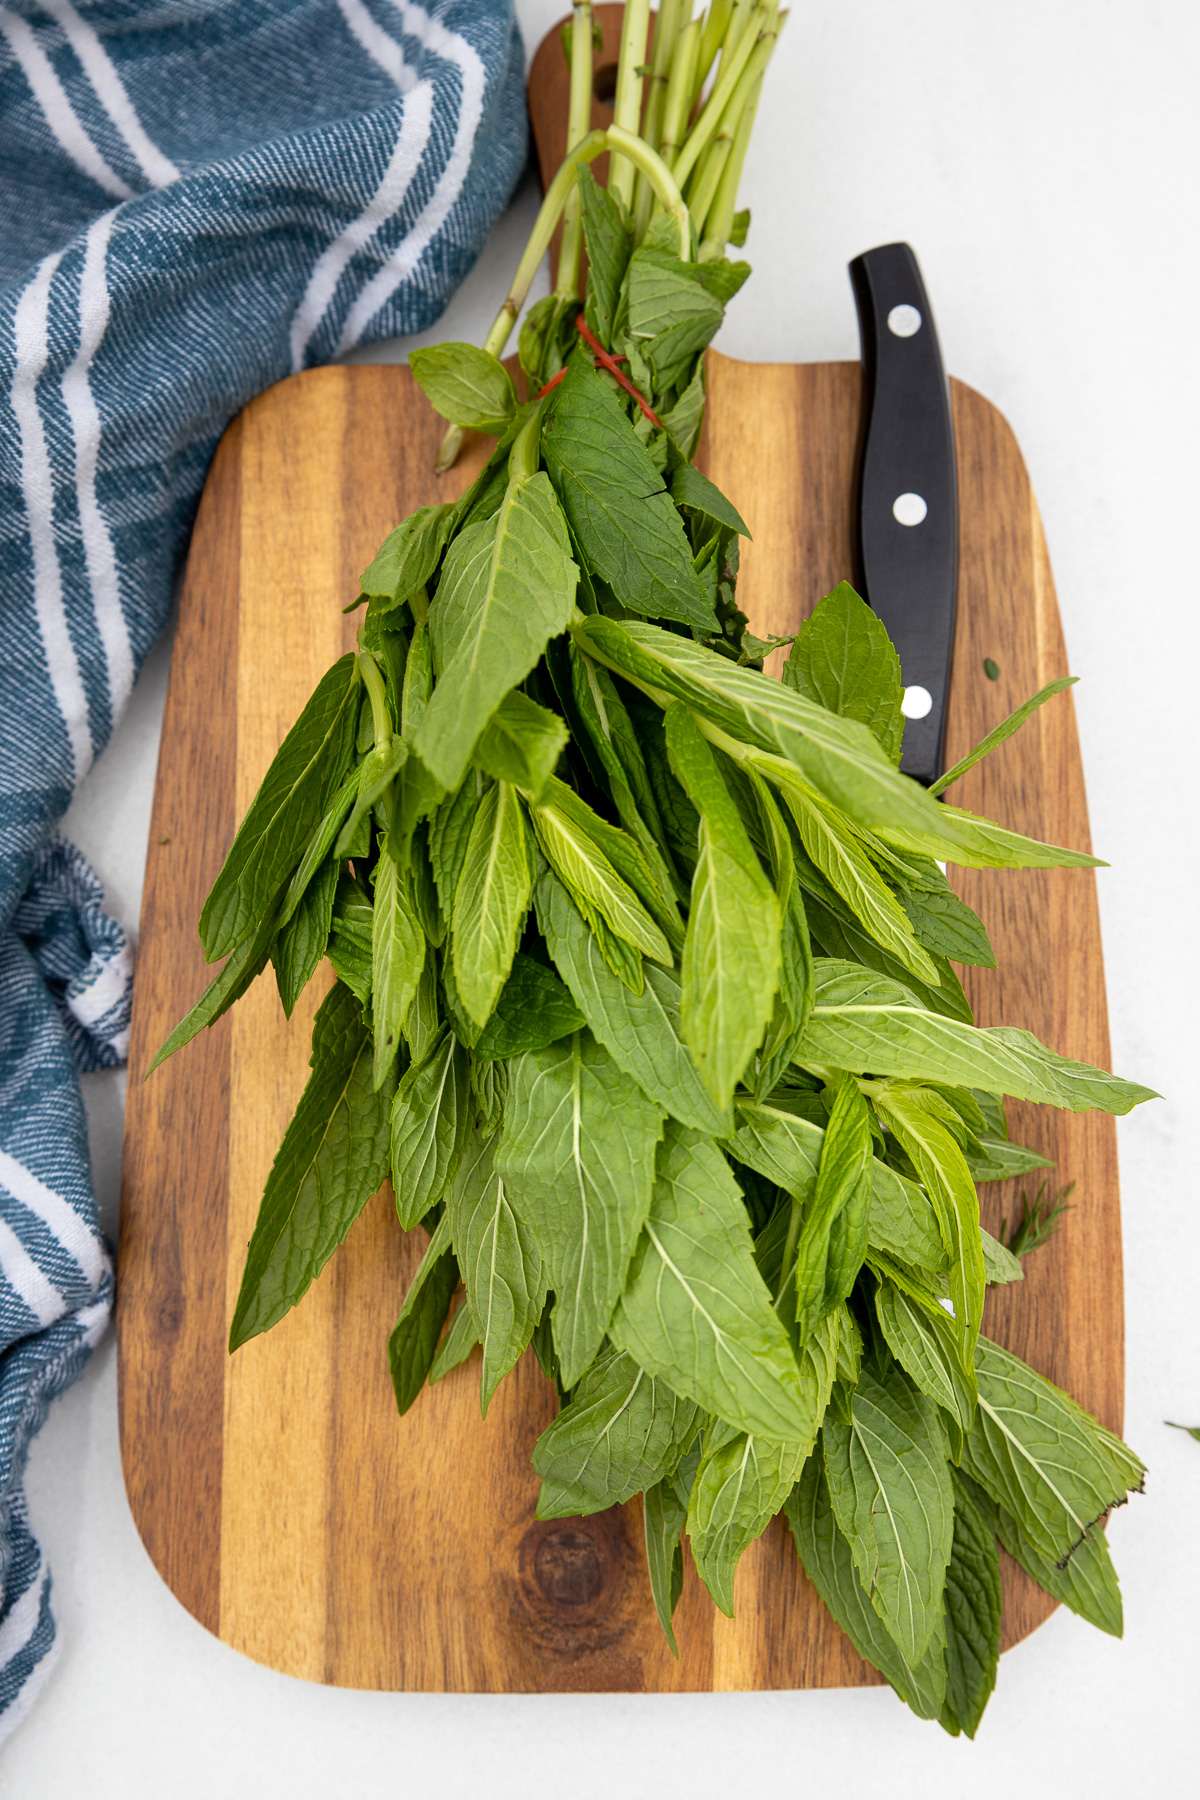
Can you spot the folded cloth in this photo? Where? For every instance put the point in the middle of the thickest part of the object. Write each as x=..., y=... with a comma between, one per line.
x=198, y=197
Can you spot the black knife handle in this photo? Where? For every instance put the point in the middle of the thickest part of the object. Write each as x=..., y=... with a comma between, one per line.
x=908, y=491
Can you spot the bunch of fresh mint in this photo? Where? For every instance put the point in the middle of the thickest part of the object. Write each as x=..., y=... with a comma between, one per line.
x=644, y=995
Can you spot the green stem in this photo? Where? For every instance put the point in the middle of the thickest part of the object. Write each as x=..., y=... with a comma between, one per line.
x=754, y=49
x=719, y=223
x=789, y=1250
x=716, y=25
x=377, y=694
x=627, y=101
x=679, y=91
x=579, y=117
x=707, y=182
x=666, y=35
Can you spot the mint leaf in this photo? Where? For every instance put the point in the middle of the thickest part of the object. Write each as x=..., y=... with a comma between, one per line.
x=534, y=1009
x=1045, y=1461
x=691, y=488
x=619, y=511
x=731, y=951
x=833, y=1237
x=972, y=1617
x=696, y=1311
x=577, y=1156
x=465, y=384
x=921, y=1338
x=639, y=1031
x=943, y=923
x=844, y=659
x=664, y=1512
x=670, y=312
x=622, y=1432
x=995, y=738
x=430, y=1124
x=455, y=1347
x=522, y=744
x=397, y=962
x=332, y=1159
x=861, y=1021
x=506, y=589
x=890, y=1491
x=408, y=556
x=301, y=943
x=426, y=1304
x=490, y=901
x=582, y=865
x=829, y=1565
x=608, y=246
x=1088, y=1583
x=501, y=1268
x=307, y=770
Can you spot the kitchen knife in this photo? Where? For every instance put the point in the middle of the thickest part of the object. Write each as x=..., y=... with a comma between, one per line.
x=908, y=492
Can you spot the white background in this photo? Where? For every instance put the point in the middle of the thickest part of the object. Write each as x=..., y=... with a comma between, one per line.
x=1041, y=156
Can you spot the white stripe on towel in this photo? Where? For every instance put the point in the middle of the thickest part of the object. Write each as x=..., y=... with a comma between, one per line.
x=98, y=549
x=378, y=45
x=452, y=48
x=98, y=66
x=51, y=96
x=30, y=330
x=22, y=1621
x=27, y=1281
x=389, y=195
x=57, y=1215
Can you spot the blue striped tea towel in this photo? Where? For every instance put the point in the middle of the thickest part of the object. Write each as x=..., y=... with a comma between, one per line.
x=196, y=198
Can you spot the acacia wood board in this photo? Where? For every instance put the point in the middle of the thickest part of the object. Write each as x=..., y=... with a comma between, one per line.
x=278, y=1493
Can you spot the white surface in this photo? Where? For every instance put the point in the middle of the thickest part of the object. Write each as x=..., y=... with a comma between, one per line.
x=1042, y=160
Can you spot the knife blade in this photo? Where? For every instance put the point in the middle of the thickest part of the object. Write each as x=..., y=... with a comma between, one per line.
x=908, y=492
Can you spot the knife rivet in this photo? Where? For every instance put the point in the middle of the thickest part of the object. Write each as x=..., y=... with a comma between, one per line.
x=909, y=509
x=916, y=703
x=904, y=321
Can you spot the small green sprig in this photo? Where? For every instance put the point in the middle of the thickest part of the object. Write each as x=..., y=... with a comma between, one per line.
x=1038, y=1221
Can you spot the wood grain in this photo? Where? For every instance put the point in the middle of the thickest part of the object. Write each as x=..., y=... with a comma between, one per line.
x=278, y=1493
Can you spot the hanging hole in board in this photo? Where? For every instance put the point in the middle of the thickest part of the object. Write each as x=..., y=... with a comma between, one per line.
x=604, y=83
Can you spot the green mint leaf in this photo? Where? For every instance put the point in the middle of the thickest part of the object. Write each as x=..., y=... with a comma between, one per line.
x=506, y=589
x=490, y=902
x=731, y=951
x=632, y=864
x=743, y=1480
x=685, y=419
x=1088, y=1584
x=839, y=855
x=308, y=768
x=426, y=1304
x=522, y=744
x=786, y=1149
x=671, y=313
x=397, y=962
x=1000, y=1266
x=623, y=1431
x=972, y=1617
x=609, y=733
x=828, y=1258
x=843, y=659
x=501, y=1268
x=889, y=1486
x=377, y=771
x=578, y=860
x=577, y=1156
x=639, y=1031
x=922, y=1340
x=351, y=938
x=241, y=968
x=301, y=943
x=1001, y=1161
x=332, y=1159
x=840, y=757
x=467, y=385
x=691, y=488
x=1045, y=1461
x=449, y=830
x=620, y=513
x=608, y=246
x=863, y=1022
x=945, y=924
x=430, y=1124
x=1002, y=732
x=664, y=1513
x=841, y=937
x=424, y=1020
x=913, y=1115
x=534, y=1009
x=455, y=1347
x=829, y=1565
x=408, y=556
x=696, y=1311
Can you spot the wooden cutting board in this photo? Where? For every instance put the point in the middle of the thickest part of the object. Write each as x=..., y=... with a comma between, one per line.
x=278, y=1493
